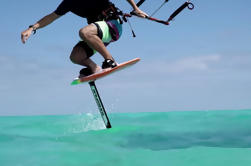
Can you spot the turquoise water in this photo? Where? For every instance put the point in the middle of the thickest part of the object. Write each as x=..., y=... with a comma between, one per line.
x=206, y=138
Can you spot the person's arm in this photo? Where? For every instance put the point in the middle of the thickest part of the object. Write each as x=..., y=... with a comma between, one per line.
x=136, y=9
x=40, y=24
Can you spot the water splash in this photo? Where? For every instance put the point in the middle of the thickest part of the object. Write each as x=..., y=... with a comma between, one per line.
x=86, y=122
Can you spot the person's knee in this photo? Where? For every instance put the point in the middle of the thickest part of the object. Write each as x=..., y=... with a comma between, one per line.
x=87, y=32
x=75, y=57
x=84, y=33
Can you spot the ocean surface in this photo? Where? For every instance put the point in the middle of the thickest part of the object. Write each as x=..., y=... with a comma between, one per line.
x=192, y=138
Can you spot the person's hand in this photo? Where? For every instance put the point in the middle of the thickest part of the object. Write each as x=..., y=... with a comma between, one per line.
x=26, y=34
x=140, y=13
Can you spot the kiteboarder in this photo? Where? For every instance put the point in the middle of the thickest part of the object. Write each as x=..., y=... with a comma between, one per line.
x=104, y=26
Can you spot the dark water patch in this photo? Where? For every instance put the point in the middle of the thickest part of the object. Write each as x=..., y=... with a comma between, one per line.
x=179, y=140
x=6, y=138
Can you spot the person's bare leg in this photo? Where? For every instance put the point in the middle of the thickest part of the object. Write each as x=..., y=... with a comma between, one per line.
x=90, y=35
x=79, y=56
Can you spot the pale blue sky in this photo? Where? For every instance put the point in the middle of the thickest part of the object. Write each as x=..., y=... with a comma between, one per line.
x=202, y=61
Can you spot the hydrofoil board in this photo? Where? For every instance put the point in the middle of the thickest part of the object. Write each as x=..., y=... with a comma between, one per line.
x=105, y=72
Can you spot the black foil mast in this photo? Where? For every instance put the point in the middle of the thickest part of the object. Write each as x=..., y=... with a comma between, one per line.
x=100, y=104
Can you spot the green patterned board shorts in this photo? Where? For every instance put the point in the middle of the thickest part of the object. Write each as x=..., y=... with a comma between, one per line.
x=108, y=31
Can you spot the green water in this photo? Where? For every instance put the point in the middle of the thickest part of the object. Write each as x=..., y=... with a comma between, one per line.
x=206, y=138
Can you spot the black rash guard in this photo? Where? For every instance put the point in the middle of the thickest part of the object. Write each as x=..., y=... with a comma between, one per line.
x=89, y=9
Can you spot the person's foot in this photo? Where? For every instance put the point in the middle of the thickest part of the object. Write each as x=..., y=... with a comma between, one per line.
x=97, y=69
x=84, y=72
x=108, y=63
x=87, y=71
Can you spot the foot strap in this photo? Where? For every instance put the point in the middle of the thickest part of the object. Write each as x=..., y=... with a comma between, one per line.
x=108, y=63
